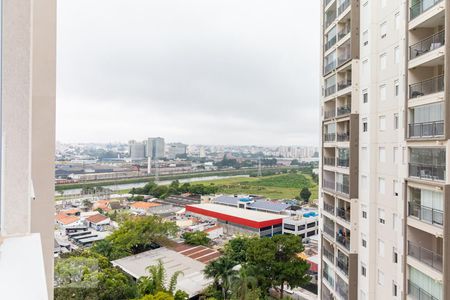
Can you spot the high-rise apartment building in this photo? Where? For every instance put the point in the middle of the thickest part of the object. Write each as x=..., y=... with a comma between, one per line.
x=136, y=150
x=156, y=147
x=385, y=136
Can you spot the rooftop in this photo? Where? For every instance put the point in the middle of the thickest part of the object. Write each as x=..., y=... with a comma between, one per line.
x=143, y=205
x=97, y=218
x=272, y=206
x=66, y=219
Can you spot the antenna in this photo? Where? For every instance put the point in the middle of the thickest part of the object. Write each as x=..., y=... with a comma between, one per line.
x=259, y=167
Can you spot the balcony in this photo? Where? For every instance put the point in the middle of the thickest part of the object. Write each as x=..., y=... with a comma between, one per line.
x=426, y=129
x=329, y=161
x=417, y=293
x=328, y=208
x=330, y=90
x=343, y=162
x=343, y=6
x=343, y=110
x=329, y=255
x=328, y=277
x=342, y=188
x=342, y=264
x=329, y=67
x=326, y=2
x=330, y=185
x=330, y=43
x=420, y=7
x=343, y=238
x=425, y=256
x=344, y=84
x=427, y=87
x=329, y=230
x=343, y=213
x=426, y=214
x=342, y=59
x=342, y=33
x=329, y=114
x=341, y=288
x=329, y=137
x=431, y=43
x=343, y=137
x=329, y=18
x=428, y=172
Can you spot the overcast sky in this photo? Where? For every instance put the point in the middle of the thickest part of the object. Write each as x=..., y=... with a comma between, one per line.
x=195, y=71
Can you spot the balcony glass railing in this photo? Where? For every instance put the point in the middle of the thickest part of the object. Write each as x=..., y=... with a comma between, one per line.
x=328, y=230
x=426, y=256
x=343, y=6
x=344, y=110
x=427, y=87
x=330, y=90
x=426, y=129
x=429, y=172
x=329, y=137
x=431, y=43
x=417, y=293
x=328, y=277
x=342, y=239
x=330, y=185
x=343, y=213
x=343, y=162
x=343, y=137
x=420, y=7
x=329, y=114
x=344, y=84
x=342, y=288
x=344, y=59
x=342, y=33
x=329, y=255
x=330, y=43
x=326, y=2
x=342, y=265
x=342, y=188
x=329, y=161
x=328, y=208
x=329, y=67
x=329, y=18
x=426, y=214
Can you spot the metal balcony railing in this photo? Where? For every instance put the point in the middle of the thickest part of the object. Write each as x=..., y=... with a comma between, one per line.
x=420, y=7
x=328, y=208
x=330, y=185
x=431, y=43
x=329, y=67
x=426, y=256
x=329, y=161
x=342, y=265
x=426, y=87
x=328, y=254
x=343, y=162
x=343, y=213
x=430, y=172
x=343, y=110
x=426, y=214
x=426, y=129
x=329, y=230
x=330, y=90
x=330, y=43
x=343, y=6
x=343, y=137
x=343, y=240
x=329, y=137
x=417, y=293
x=344, y=84
x=329, y=114
x=342, y=188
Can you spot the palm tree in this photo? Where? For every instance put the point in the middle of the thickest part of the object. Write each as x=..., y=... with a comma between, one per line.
x=244, y=285
x=156, y=281
x=221, y=271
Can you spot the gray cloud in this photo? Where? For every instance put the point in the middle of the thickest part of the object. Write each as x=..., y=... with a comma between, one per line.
x=197, y=71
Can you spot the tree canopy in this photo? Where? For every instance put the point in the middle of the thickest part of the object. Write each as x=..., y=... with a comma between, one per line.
x=196, y=238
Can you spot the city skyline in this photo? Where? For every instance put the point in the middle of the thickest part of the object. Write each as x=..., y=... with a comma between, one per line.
x=232, y=82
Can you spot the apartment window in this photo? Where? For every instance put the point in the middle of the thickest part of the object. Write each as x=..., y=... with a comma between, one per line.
x=383, y=30
x=380, y=278
x=396, y=121
x=382, y=123
x=364, y=123
x=396, y=88
x=382, y=92
x=394, y=289
x=363, y=270
x=363, y=240
x=397, y=54
x=381, y=216
x=394, y=256
x=381, y=248
x=382, y=154
x=364, y=211
x=365, y=95
x=396, y=187
x=381, y=185
x=396, y=155
x=397, y=21
x=365, y=38
x=383, y=61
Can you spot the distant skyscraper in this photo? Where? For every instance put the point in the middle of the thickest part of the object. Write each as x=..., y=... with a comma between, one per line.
x=175, y=150
x=136, y=150
x=156, y=147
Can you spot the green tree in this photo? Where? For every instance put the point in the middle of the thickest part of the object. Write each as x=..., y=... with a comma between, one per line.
x=236, y=249
x=244, y=285
x=156, y=282
x=221, y=271
x=135, y=235
x=196, y=238
x=305, y=194
x=158, y=296
x=277, y=262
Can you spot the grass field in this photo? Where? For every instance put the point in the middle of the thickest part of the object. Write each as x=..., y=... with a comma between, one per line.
x=285, y=186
